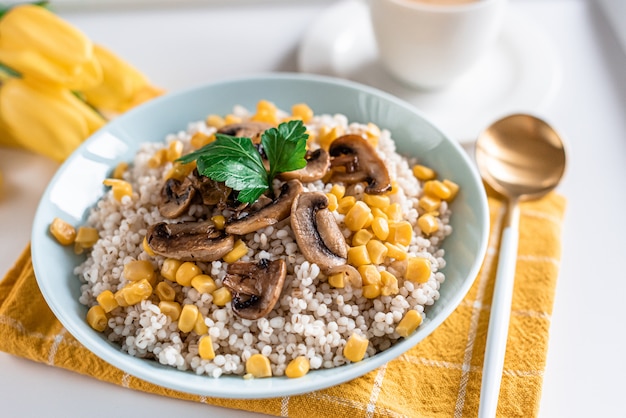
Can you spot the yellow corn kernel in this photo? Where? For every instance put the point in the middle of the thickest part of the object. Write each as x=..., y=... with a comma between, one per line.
x=239, y=250
x=265, y=112
x=333, y=203
x=400, y=233
x=219, y=221
x=138, y=270
x=169, y=268
x=265, y=106
x=371, y=291
x=389, y=284
x=369, y=274
x=174, y=150
x=355, y=347
x=378, y=212
x=222, y=296
x=171, y=309
x=380, y=227
x=205, y=348
x=357, y=216
x=453, y=187
x=230, y=119
x=147, y=248
x=120, y=188
x=86, y=236
x=186, y=272
x=368, y=220
x=203, y=283
x=409, y=323
x=188, y=317
x=421, y=172
x=298, y=367
x=200, y=327
x=373, y=133
x=393, y=251
x=200, y=139
x=436, y=188
x=158, y=158
x=62, y=231
x=427, y=223
x=258, y=366
x=376, y=201
x=215, y=121
x=345, y=204
x=429, y=203
x=179, y=171
x=96, y=318
x=377, y=251
x=106, y=299
x=265, y=116
x=361, y=237
x=358, y=256
x=119, y=297
x=338, y=190
x=120, y=169
x=135, y=292
x=165, y=292
x=337, y=280
x=328, y=135
x=394, y=212
x=302, y=111
x=417, y=270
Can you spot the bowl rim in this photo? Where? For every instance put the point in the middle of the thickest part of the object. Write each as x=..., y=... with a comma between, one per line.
x=158, y=374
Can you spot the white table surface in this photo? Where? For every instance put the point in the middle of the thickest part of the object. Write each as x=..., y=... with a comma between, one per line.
x=194, y=42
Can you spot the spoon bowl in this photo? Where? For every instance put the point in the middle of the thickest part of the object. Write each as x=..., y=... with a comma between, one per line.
x=522, y=158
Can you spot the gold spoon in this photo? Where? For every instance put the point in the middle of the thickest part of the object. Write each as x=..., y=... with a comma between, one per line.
x=522, y=158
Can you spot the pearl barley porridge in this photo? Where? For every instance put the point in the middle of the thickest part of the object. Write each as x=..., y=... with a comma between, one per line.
x=265, y=243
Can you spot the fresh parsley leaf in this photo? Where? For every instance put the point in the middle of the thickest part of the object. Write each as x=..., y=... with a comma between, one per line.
x=236, y=162
x=285, y=147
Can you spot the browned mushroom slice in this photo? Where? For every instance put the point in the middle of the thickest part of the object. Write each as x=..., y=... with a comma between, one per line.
x=318, y=237
x=361, y=163
x=176, y=196
x=255, y=287
x=318, y=163
x=189, y=241
x=212, y=192
x=252, y=130
x=279, y=209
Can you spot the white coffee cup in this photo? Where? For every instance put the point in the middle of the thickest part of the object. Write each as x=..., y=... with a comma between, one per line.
x=430, y=43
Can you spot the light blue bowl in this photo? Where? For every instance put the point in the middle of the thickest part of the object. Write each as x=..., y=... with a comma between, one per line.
x=77, y=186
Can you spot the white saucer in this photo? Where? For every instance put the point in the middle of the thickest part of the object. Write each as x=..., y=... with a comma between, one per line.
x=519, y=74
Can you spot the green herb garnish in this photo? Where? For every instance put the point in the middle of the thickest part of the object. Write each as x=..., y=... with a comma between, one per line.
x=236, y=162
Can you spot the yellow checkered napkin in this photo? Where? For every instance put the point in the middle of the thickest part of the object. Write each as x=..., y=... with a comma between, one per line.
x=440, y=377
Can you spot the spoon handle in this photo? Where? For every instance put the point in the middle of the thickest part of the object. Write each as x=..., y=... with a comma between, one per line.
x=497, y=332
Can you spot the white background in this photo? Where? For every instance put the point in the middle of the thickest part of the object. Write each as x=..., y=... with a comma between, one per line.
x=191, y=43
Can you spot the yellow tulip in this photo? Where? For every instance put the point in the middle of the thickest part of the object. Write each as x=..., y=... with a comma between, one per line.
x=38, y=44
x=48, y=120
x=122, y=87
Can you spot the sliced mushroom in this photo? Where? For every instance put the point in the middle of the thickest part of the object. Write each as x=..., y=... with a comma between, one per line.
x=318, y=163
x=271, y=214
x=212, y=192
x=255, y=287
x=318, y=237
x=189, y=241
x=252, y=130
x=361, y=163
x=176, y=196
